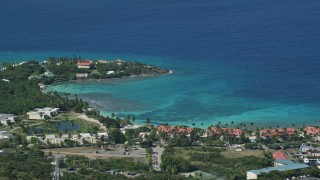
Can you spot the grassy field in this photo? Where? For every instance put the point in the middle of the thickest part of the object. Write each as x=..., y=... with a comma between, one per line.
x=232, y=153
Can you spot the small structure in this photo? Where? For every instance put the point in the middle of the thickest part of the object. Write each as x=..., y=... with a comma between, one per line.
x=48, y=74
x=104, y=61
x=7, y=118
x=5, y=136
x=82, y=75
x=279, y=155
x=84, y=64
x=110, y=72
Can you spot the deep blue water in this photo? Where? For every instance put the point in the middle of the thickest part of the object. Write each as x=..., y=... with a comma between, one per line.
x=234, y=60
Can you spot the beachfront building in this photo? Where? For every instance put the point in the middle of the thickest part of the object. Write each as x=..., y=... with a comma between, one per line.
x=172, y=130
x=283, y=165
x=219, y=131
x=311, y=131
x=85, y=64
x=271, y=133
x=43, y=113
x=8, y=118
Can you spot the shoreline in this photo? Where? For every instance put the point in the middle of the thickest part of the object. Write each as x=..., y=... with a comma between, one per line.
x=135, y=77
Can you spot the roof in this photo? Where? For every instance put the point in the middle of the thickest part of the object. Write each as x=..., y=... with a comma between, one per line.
x=50, y=136
x=280, y=168
x=85, y=135
x=84, y=63
x=279, y=155
x=285, y=161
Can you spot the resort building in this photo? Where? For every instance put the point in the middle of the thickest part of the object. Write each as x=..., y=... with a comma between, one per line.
x=271, y=133
x=311, y=131
x=85, y=64
x=219, y=131
x=174, y=129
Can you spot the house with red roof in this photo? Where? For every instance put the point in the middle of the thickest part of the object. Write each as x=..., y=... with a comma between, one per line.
x=163, y=128
x=85, y=64
x=279, y=155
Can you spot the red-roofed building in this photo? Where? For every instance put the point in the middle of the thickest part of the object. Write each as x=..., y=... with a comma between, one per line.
x=277, y=132
x=163, y=128
x=311, y=130
x=279, y=155
x=237, y=132
x=174, y=129
x=233, y=132
x=291, y=131
x=84, y=64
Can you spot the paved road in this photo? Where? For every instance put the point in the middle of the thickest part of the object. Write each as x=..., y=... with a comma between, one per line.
x=157, y=157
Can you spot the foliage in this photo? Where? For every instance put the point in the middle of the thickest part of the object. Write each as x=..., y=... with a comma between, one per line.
x=172, y=164
x=25, y=165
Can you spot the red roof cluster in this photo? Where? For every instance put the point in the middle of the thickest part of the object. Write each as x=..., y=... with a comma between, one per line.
x=174, y=129
x=233, y=132
x=279, y=155
x=310, y=130
x=277, y=132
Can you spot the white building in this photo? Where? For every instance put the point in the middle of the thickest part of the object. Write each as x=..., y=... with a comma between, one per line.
x=110, y=72
x=5, y=136
x=43, y=113
x=5, y=118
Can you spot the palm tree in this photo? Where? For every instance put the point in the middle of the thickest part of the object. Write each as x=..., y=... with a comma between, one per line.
x=148, y=121
x=219, y=122
x=232, y=122
x=193, y=124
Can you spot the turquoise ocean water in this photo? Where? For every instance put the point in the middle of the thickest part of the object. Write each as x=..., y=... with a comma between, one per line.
x=241, y=61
